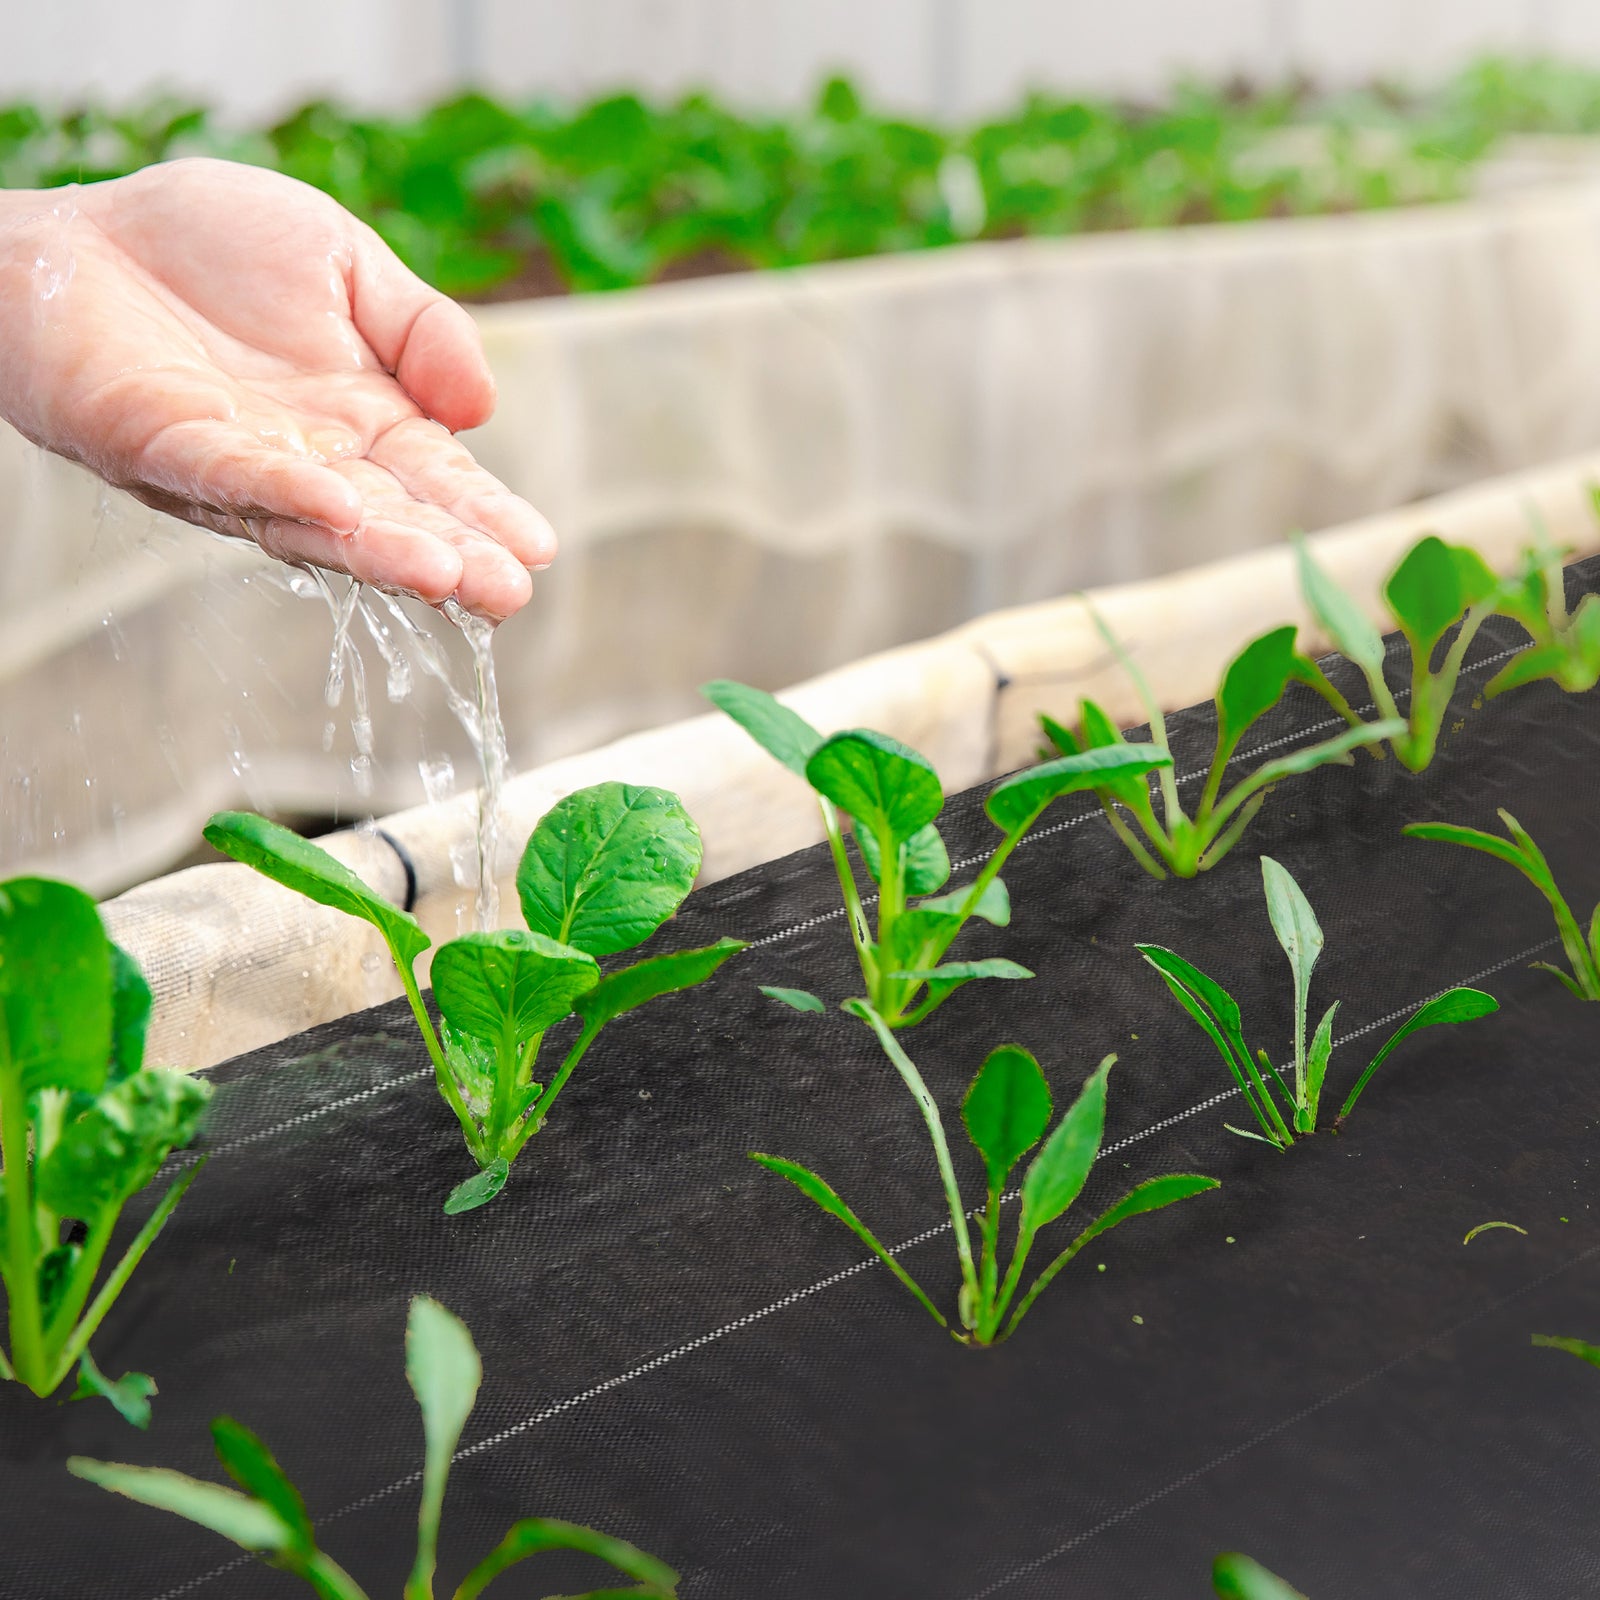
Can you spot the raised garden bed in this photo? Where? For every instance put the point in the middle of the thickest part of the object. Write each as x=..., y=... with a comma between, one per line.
x=1309, y=1364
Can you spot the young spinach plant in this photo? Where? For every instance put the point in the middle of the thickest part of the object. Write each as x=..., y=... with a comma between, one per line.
x=84, y=1126
x=891, y=797
x=1237, y=1577
x=1523, y=854
x=1435, y=587
x=1254, y=682
x=1218, y=1014
x=1006, y=1111
x=1565, y=644
x=267, y=1516
x=604, y=868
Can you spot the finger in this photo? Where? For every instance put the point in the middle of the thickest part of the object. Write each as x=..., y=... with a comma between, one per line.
x=434, y=467
x=389, y=555
x=227, y=469
x=429, y=343
x=493, y=583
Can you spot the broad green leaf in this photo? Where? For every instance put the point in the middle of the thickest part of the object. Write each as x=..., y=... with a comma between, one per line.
x=116, y=1146
x=885, y=786
x=536, y=1534
x=487, y=983
x=1021, y=797
x=783, y=734
x=656, y=975
x=1580, y=1348
x=1254, y=683
x=918, y=938
x=1056, y=1176
x=472, y=1064
x=798, y=999
x=479, y=1189
x=131, y=1002
x=282, y=855
x=1236, y=1577
x=1007, y=1109
x=55, y=987
x=235, y=1516
x=1425, y=593
x=254, y=1468
x=1353, y=633
x=965, y=971
x=1300, y=934
x=927, y=862
x=606, y=866
x=129, y=1395
x=821, y=1193
x=993, y=905
x=444, y=1372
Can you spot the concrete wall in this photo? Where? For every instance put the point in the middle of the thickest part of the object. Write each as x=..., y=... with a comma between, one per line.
x=953, y=56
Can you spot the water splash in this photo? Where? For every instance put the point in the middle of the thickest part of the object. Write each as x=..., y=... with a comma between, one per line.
x=493, y=757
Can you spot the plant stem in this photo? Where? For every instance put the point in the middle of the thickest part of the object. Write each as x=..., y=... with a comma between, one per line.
x=441, y=1065
x=124, y=1269
x=852, y=896
x=1211, y=853
x=1043, y=1281
x=540, y=1108
x=941, y=1148
x=22, y=1278
x=1127, y=836
x=66, y=1313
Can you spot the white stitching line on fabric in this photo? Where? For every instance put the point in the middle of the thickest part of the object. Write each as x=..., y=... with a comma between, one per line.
x=1039, y=1563
x=700, y=1341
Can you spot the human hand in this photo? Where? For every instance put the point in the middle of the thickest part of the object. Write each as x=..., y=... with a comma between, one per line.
x=233, y=347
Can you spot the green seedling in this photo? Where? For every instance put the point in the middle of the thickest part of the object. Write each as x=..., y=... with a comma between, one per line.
x=604, y=868
x=267, y=1516
x=1254, y=682
x=1580, y=1348
x=1435, y=587
x=1566, y=645
x=890, y=797
x=84, y=1126
x=1236, y=1577
x=1007, y=1112
x=1522, y=853
x=1218, y=1014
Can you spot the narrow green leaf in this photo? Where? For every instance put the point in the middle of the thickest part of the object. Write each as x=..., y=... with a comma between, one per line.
x=821, y=1193
x=1025, y=794
x=1215, y=1001
x=799, y=999
x=966, y=971
x=1315, y=755
x=255, y=1469
x=1300, y=934
x=1007, y=1109
x=1580, y=1348
x=1454, y=1005
x=282, y=855
x=606, y=866
x=655, y=975
x=1484, y=1227
x=993, y=905
x=783, y=734
x=129, y=1395
x=536, y=1534
x=927, y=862
x=1353, y=633
x=479, y=1189
x=886, y=786
x=444, y=1372
x=1066, y=742
x=1151, y=1195
x=1253, y=683
x=235, y=1516
x=485, y=982
x=1056, y=1176
x=55, y=987
x=1317, y=1066
x=1236, y=1577
x=1473, y=838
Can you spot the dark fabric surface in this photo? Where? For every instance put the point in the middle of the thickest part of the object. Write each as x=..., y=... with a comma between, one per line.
x=680, y=1350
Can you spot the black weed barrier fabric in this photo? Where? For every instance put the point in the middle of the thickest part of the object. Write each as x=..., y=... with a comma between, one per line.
x=1308, y=1365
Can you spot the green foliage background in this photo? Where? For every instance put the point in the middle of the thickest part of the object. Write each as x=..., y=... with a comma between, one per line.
x=487, y=199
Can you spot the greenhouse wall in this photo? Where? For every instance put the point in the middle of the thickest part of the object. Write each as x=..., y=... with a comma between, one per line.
x=949, y=57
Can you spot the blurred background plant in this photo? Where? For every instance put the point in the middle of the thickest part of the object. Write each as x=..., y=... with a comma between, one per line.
x=491, y=201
